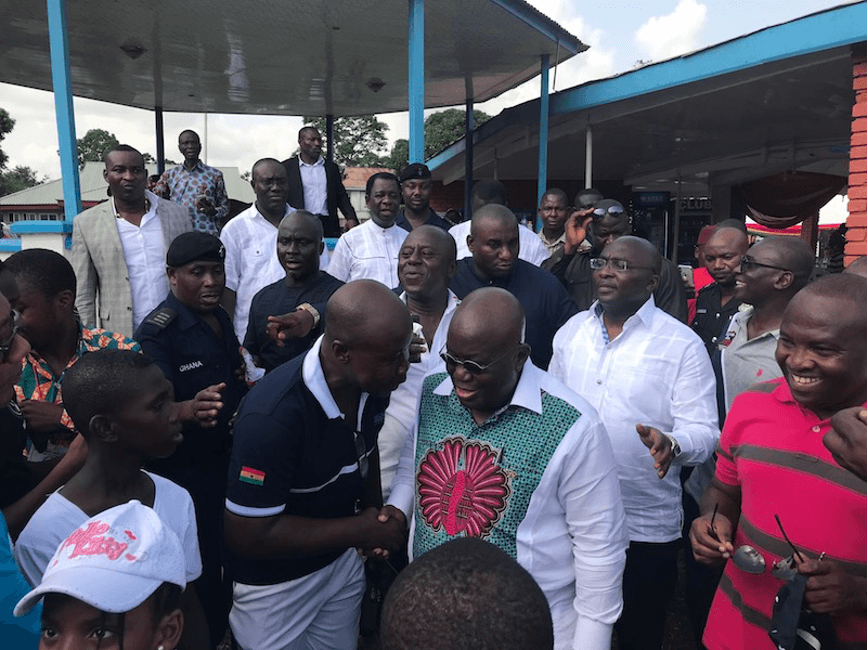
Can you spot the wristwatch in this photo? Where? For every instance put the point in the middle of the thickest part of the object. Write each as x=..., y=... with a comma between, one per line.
x=310, y=309
x=676, y=448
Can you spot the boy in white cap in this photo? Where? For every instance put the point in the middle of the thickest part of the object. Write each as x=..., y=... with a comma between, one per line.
x=124, y=407
x=114, y=582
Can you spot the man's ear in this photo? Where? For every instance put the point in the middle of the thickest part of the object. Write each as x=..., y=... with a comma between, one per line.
x=102, y=428
x=470, y=243
x=341, y=351
x=169, y=629
x=522, y=356
x=64, y=299
x=321, y=247
x=785, y=279
x=450, y=270
x=653, y=283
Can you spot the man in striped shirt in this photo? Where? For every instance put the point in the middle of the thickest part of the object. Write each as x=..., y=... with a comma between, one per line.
x=772, y=465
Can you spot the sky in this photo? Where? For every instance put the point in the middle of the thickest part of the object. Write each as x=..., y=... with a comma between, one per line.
x=619, y=32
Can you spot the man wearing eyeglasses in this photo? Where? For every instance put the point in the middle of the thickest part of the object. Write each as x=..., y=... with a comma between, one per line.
x=505, y=453
x=591, y=228
x=303, y=489
x=650, y=379
x=772, y=465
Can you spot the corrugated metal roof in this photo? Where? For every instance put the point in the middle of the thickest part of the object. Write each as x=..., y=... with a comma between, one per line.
x=93, y=187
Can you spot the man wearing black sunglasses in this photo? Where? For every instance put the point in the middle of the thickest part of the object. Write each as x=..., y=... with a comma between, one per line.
x=588, y=231
x=504, y=452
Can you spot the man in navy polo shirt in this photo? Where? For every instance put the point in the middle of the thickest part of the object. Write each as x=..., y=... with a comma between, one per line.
x=304, y=476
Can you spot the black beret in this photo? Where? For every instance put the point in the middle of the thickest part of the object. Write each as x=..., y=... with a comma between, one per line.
x=416, y=170
x=194, y=246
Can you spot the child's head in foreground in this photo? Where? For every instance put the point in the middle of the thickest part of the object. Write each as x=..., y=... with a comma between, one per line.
x=465, y=594
x=122, y=397
x=113, y=583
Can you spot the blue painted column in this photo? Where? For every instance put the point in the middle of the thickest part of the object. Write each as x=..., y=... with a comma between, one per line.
x=416, y=80
x=63, y=108
x=542, y=170
x=161, y=140
x=468, y=158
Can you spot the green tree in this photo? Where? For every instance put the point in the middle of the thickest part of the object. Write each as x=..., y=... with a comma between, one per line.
x=6, y=126
x=359, y=141
x=445, y=127
x=95, y=144
x=17, y=179
x=441, y=130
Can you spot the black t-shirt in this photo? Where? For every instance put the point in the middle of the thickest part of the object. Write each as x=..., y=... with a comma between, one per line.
x=711, y=318
x=16, y=477
x=276, y=299
x=290, y=457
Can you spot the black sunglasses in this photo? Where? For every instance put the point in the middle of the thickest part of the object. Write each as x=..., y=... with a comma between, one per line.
x=472, y=367
x=747, y=264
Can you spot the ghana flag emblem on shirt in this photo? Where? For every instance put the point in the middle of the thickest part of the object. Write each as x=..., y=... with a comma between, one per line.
x=252, y=476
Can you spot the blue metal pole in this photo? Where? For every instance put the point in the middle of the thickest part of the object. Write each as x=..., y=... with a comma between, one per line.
x=543, y=130
x=63, y=108
x=416, y=81
x=468, y=158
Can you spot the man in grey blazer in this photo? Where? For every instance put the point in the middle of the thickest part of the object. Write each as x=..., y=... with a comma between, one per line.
x=119, y=247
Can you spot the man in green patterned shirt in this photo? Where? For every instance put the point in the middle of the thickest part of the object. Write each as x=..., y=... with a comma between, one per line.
x=504, y=452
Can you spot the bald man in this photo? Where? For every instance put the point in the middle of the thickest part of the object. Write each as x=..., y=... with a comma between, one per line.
x=587, y=232
x=716, y=303
x=505, y=453
x=772, y=463
x=766, y=279
x=494, y=243
x=304, y=478
x=650, y=379
x=426, y=264
x=469, y=589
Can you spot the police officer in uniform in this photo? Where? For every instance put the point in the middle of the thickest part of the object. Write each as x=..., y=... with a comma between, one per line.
x=191, y=338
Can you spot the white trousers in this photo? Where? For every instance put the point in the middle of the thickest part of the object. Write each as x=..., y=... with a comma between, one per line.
x=319, y=611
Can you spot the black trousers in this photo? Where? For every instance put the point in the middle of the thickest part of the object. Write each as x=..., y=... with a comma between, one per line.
x=649, y=584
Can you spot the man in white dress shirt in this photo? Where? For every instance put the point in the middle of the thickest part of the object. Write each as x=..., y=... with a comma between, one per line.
x=426, y=263
x=504, y=452
x=251, y=243
x=531, y=249
x=650, y=379
x=370, y=251
x=119, y=247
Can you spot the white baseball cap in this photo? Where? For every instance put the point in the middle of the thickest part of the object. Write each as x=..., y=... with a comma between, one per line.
x=113, y=562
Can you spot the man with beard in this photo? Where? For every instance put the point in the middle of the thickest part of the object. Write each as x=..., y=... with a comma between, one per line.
x=119, y=247
x=416, y=194
x=553, y=212
x=716, y=303
x=602, y=224
x=286, y=317
x=773, y=466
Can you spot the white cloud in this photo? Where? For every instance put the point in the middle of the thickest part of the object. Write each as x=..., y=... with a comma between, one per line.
x=662, y=37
